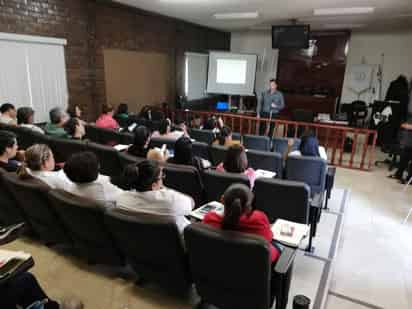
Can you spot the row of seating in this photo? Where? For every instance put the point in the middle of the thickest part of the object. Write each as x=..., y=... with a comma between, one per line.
x=155, y=251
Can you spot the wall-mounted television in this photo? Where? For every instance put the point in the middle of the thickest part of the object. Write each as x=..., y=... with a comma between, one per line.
x=290, y=36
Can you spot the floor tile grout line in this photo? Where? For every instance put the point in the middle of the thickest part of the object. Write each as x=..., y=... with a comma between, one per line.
x=354, y=300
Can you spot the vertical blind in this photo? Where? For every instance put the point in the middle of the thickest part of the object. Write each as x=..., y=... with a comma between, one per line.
x=196, y=67
x=33, y=73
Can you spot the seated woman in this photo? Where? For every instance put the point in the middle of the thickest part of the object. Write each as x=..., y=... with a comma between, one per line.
x=214, y=124
x=8, y=151
x=224, y=138
x=25, y=119
x=82, y=169
x=236, y=162
x=151, y=196
x=184, y=154
x=165, y=131
x=239, y=216
x=106, y=120
x=40, y=164
x=122, y=111
x=75, y=128
x=141, y=142
x=309, y=146
x=74, y=111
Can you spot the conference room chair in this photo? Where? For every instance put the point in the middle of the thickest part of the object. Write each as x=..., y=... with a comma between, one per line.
x=64, y=148
x=265, y=160
x=280, y=145
x=216, y=183
x=233, y=270
x=123, y=122
x=153, y=247
x=201, y=150
x=127, y=159
x=92, y=133
x=25, y=137
x=217, y=154
x=32, y=197
x=10, y=212
x=311, y=171
x=185, y=179
x=160, y=141
x=84, y=219
x=236, y=136
x=205, y=136
x=108, y=158
x=103, y=136
x=256, y=142
x=127, y=138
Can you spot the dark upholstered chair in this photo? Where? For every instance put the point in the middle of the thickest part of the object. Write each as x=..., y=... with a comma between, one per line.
x=185, y=179
x=215, y=183
x=217, y=154
x=265, y=160
x=64, y=148
x=159, y=142
x=108, y=158
x=236, y=136
x=103, y=136
x=201, y=150
x=25, y=137
x=256, y=142
x=31, y=196
x=84, y=219
x=10, y=212
x=126, y=159
x=283, y=199
x=153, y=246
x=127, y=138
x=233, y=270
x=205, y=136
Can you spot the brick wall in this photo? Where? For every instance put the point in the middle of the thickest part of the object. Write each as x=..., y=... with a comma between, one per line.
x=91, y=26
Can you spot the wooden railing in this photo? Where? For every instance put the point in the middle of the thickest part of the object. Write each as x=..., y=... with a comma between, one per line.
x=332, y=137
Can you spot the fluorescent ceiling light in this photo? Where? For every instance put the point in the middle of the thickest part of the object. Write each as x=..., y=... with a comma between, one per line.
x=244, y=15
x=344, y=11
x=343, y=26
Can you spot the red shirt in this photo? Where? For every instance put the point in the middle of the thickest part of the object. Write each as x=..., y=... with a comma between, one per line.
x=255, y=223
x=106, y=121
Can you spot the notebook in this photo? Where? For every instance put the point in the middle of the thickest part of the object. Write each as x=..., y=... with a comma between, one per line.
x=202, y=211
x=289, y=233
x=265, y=174
x=121, y=147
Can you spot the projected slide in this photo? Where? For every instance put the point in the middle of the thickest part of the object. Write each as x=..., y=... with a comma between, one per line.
x=232, y=74
x=231, y=71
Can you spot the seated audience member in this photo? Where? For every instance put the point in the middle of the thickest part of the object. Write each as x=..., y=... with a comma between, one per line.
x=309, y=146
x=195, y=122
x=8, y=151
x=24, y=291
x=214, y=124
x=8, y=114
x=150, y=196
x=122, y=111
x=405, y=159
x=25, y=119
x=141, y=142
x=157, y=154
x=106, y=120
x=239, y=216
x=75, y=129
x=58, y=119
x=40, y=164
x=74, y=111
x=165, y=131
x=236, y=162
x=82, y=169
x=180, y=125
x=184, y=154
x=224, y=138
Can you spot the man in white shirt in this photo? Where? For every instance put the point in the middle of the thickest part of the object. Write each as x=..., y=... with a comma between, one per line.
x=152, y=197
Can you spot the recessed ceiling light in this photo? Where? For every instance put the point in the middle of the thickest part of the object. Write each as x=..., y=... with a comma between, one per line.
x=243, y=15
x=344, y=11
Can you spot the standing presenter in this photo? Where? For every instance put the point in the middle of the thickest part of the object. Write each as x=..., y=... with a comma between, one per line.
x=270, y=104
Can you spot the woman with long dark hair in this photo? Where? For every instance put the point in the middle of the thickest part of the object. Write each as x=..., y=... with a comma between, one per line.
x=184, y=154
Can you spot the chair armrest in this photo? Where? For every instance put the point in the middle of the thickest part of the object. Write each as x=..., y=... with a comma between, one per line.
x=11, y=233
x=285, y=260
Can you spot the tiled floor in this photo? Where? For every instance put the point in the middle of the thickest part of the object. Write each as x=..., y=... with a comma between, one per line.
x=373, y=266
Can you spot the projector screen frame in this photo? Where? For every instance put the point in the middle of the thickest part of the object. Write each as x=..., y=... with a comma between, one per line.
x=250, y=67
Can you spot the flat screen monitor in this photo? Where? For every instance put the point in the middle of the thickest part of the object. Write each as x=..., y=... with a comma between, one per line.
x=290, y=36
x=222, y=106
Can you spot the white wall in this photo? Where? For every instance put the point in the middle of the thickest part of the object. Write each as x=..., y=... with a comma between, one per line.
x=260, y=43
x=397, y=48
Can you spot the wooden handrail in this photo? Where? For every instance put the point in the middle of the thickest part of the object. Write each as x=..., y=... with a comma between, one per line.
x=331, y=136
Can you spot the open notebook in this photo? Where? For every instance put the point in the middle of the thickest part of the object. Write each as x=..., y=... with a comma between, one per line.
x=201, y=212
x=289, y=233
x=265, y=174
